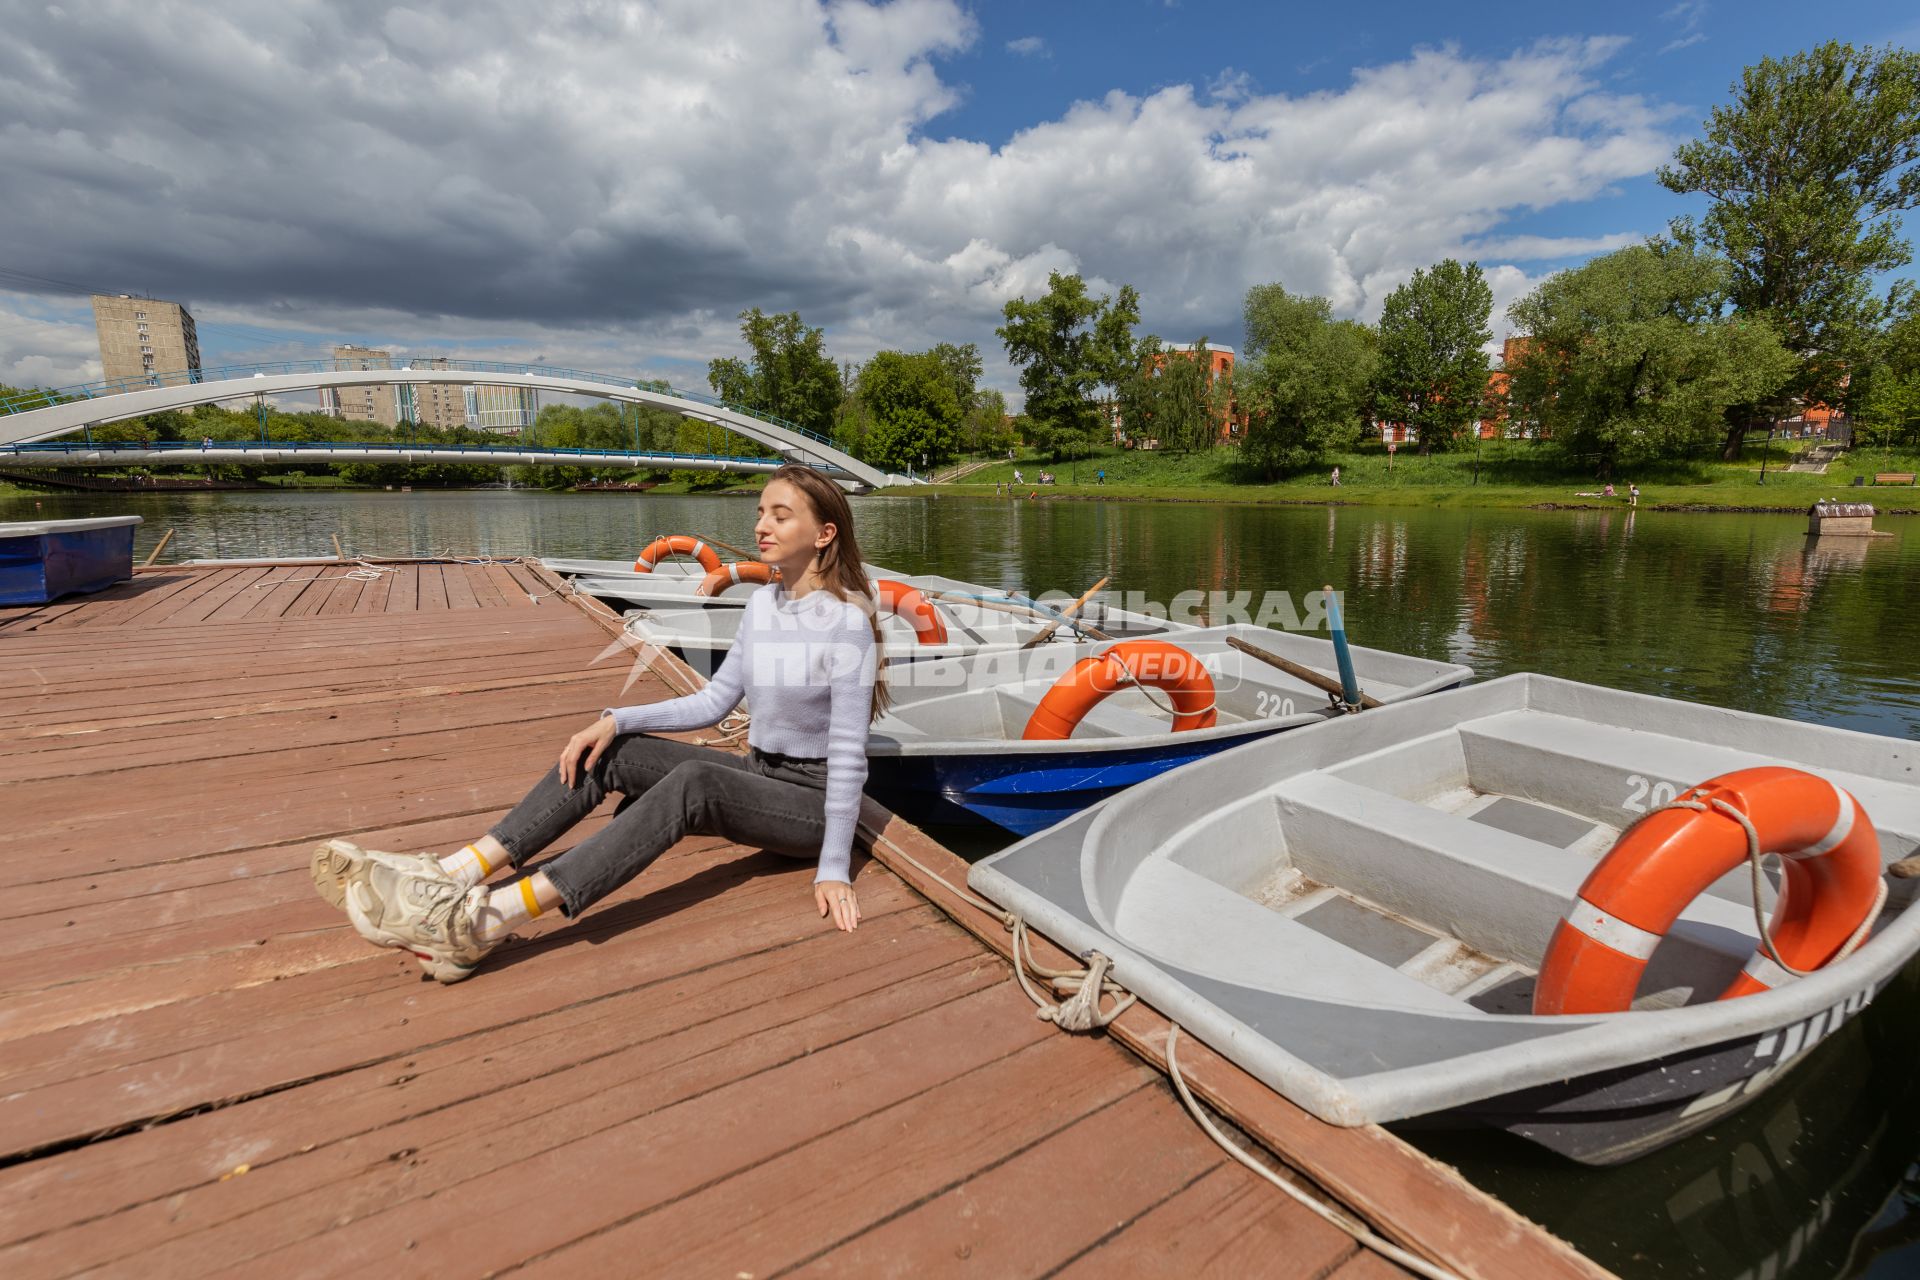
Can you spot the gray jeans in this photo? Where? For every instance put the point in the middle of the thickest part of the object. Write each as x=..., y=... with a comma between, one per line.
x=672, y=790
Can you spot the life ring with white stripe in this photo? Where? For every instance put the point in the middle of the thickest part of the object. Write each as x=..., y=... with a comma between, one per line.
x=912, y=604
x=739, y=571
x=1829, y=891
x=1154, y=663
x=676, y=544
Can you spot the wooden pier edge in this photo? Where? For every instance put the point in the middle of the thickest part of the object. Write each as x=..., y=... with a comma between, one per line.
x=1423, y=1205
x=1407, y=1196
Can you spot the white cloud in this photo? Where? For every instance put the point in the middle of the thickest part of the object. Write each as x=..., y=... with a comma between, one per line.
x=1543, y=248
x=609, y=185
x=1028, y=47
x=1230, y=86
x=1690, y=14
x=45, y=347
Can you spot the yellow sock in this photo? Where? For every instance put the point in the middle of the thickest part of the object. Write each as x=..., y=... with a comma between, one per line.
x=506, y=907
x=468, y=867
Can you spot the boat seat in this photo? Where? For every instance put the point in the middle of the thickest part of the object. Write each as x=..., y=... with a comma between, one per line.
x=1497, y=891
x=1179, y=917
x=1612, y=774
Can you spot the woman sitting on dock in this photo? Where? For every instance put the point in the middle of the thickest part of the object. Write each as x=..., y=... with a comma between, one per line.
x=807, y=660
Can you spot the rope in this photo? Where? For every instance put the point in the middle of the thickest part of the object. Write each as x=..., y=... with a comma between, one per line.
x=1147, y=691
x=733, y=726
x=1754, y=859
x=480, y=557
x=363, y=573
x=740, y=722
x=566, y=587
x=1087, y=985
x=1081, y=1011
x=1361, y=1234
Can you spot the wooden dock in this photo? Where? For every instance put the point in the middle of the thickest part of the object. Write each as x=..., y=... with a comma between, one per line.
x=204, y=1070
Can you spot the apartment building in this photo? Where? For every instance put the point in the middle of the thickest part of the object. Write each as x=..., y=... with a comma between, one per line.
x=145, y=340
x=373, y=402
x=505, y=410
x=430, y=404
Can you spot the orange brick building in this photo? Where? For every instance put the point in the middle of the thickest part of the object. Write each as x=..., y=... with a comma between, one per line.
x=1221, y=361
x=1488, y=427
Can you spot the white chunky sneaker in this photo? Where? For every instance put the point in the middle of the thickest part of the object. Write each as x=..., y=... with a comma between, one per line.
x=430, y=916
x=335, y=862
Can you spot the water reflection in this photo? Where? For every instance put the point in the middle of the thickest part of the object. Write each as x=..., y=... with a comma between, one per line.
x=1740, y=611
x=1815, y=1179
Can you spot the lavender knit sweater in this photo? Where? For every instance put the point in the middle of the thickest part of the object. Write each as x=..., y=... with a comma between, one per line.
x=806, y=669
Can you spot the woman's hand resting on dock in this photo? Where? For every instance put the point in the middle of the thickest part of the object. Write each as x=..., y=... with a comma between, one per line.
x=593, y=740
x=838, y=899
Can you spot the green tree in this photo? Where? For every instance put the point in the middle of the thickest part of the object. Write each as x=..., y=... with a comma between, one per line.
x=1306, y=379
x=1806, y=172
x=914, y=416
x=1432, y=372
x=962, y=367
x=1070, y=348
x=1172, y=396
x=788, y=375
x=986, y=428
x=1886, y=397
x=1634, y=356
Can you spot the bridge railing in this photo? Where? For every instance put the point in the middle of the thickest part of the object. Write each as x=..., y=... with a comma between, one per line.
x=322, y=447
x=41, y=399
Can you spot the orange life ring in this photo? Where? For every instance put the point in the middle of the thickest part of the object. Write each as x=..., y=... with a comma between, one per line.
x=676, y=544
x=1150, y=662
x=739, y=571
x=1830, y=859
x=912, y=604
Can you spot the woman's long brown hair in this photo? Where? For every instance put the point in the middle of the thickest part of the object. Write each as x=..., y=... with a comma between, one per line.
x=841, y=567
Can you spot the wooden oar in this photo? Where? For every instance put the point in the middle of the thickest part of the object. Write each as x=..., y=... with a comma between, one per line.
x=1009, y=606
x=1065, y=614
x=158, y=547
x=338, y=554
x=727, y=546
x=1324, y=683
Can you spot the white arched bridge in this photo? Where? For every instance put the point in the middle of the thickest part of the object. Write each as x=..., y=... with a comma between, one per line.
x=37, y=428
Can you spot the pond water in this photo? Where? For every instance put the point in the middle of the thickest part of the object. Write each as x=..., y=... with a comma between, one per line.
x=1743, y=611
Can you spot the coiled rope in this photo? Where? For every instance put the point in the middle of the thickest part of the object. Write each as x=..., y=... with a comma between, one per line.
x=1754, y=859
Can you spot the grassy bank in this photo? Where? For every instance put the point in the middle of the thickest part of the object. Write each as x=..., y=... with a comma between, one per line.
x=1509, y=474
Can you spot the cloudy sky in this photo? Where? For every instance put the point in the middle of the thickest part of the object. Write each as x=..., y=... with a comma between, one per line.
x=606, y=185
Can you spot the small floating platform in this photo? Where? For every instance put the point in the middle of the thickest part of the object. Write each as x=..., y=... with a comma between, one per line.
x=203, y=1069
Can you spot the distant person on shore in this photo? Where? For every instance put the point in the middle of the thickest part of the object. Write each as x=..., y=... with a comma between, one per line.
x=807, y=658
x=1336, y=477
x=1017, y=477
x=1101, y=475
x=1608, y=491
x=1633, y=495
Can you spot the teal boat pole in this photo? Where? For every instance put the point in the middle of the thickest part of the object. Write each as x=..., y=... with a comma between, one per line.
x=1349, y=684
